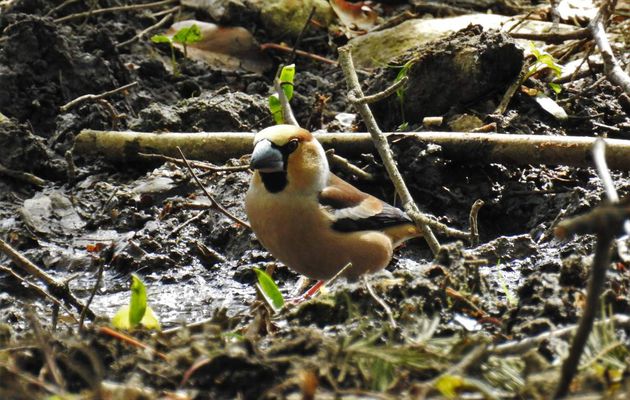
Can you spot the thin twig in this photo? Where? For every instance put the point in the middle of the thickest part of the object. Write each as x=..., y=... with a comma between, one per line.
x=381, y=302
x=22, y=176
x=606, y=232
x=599, y=158
x=181, y=226
x=38, y=291
x=553, y=37
x=601, y=262
x=383, y=94
x=56, y=288
x=380, y=142
x=197, y=164
x=60, y=6
x=213, y=203
x=342, y=163
x=472, y=220
x=299, y=37
x=153, y=27
x=612, y=69
x=131, y=341
x=131, y=7
x=312, y=56
x=53, y=368
x=97, y=284
x=93, y=97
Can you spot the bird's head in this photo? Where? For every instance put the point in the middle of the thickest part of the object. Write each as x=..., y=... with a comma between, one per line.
x=287, y=157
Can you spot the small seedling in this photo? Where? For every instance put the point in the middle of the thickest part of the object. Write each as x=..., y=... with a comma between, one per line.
x=544, y=60
x=400, y=93
x=185, y=36
x=269, y=290
x=137, y=312
x=286, y=82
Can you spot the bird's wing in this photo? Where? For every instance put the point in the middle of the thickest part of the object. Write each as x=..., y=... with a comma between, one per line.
x=354, y=210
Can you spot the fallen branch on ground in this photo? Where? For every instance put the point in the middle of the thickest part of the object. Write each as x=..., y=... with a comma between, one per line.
x=459, y=146
x=57, y=289
x=616, y=75
x=379, y=139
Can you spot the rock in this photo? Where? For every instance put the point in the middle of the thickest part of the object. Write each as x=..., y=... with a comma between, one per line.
x=459, y=70
x=287, y=17
x=379, y=48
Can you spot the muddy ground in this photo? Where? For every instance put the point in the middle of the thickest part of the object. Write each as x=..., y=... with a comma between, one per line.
x=150, y=218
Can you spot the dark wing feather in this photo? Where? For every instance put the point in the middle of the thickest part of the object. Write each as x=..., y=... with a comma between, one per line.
x=354, y=210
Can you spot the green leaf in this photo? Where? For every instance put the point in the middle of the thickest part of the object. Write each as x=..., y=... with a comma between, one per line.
x=556, y=87
x=269, y=290
x=160, y=39
x=138, y=304
x=187, y=35
x=286, y=83
x=137, y=312
x=286, y=80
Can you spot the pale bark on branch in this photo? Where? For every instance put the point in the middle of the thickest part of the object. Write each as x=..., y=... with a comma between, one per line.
x=459, y=146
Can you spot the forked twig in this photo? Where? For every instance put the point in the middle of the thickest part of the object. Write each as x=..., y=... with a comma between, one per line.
x=382, y=146
x=213, y=203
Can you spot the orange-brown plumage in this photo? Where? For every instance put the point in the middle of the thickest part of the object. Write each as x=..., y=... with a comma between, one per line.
x=310, y=219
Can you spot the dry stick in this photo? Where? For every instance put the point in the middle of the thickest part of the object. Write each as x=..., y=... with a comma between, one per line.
x=60, y=6
x=22, y=176
x=301, y=34
x=520, y=347
x=343, y=164
x=605, y=236
x=381, y=302
x=57, y=289
x=213, y=203
x=168, y=11
x=601, y=262
x=612, y=69
x=97, y=284
x=38, y=291
x=460, y=146
x=114, y=9
x=472, y=220
x=385, y=93
x=131, y=341
x=196, y=164
x=380, y=142
x=181, y=226
x=553, y=37
x=312, y=56
x=153, y=27
x=93, y=97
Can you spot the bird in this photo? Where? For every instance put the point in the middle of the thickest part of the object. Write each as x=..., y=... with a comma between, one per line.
x=310, y=219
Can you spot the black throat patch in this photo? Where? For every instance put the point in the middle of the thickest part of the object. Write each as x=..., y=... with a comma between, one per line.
x=274, y=181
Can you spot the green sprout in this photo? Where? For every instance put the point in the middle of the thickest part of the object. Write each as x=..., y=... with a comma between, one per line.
x=137, y=312
x=400, y=93
x=286, y=82
x=544, y=60
x=185, y=36
x=269, y=290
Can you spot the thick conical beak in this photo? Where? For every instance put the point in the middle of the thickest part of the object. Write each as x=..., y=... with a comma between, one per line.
x=266, y=158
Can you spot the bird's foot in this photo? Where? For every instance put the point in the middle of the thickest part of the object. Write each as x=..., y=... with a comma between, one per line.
x=308, y=295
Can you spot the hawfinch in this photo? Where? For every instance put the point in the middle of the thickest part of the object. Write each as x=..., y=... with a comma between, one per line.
x=311, y=220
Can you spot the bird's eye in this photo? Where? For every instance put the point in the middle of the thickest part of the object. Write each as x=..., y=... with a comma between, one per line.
x=292, y=145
